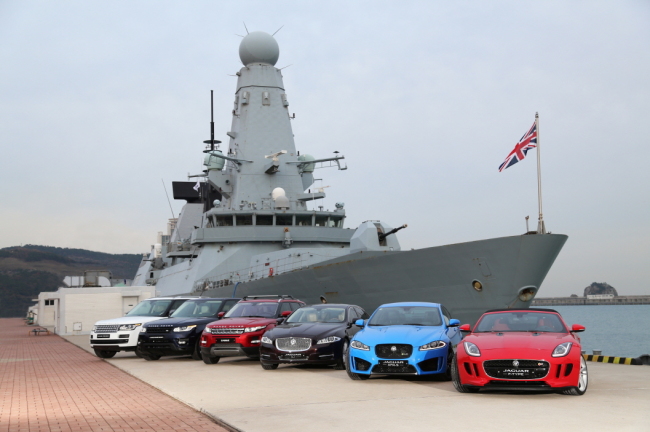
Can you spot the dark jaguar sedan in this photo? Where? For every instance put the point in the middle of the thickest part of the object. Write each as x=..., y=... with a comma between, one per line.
x=317, y=334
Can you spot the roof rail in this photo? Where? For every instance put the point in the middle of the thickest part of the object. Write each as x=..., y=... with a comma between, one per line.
x=278, y=296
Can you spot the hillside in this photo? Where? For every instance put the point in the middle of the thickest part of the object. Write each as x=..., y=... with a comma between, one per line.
x=27, y=270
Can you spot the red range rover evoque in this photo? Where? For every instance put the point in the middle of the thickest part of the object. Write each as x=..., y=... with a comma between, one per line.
x=240, y=330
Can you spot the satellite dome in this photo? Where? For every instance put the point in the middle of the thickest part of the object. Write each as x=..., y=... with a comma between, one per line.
x=277, y=192
x=259, y=47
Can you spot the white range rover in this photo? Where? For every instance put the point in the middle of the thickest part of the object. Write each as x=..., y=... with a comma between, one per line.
x=108, y=337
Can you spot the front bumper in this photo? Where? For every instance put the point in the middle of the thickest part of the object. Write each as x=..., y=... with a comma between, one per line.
x=230, y=350
x=167, y=344
x=316, y=354
x=419, y=363
x=231, y=345
x=562, y=372
x=119, y=341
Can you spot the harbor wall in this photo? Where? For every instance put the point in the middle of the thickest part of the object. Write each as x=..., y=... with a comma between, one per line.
x=576, y=301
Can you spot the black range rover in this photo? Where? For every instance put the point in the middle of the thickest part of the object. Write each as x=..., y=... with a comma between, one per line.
x=180, y=333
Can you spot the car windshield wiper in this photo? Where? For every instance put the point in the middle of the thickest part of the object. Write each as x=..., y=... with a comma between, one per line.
x=415, y=324
x=255, y=316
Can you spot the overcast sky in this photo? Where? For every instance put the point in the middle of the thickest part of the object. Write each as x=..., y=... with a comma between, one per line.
x=100, y=100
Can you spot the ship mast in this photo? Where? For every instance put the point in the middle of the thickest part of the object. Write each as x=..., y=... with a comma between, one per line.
x=541, y=228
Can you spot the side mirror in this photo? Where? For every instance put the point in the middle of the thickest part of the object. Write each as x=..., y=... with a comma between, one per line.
x=220, y=315
x=279, y=320
x=359, y=323
x=465, y=327
x=577, y=328
x=286, y=314
x=453, y=323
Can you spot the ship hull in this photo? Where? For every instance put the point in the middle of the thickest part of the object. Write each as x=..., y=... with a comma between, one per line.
x=442, y=274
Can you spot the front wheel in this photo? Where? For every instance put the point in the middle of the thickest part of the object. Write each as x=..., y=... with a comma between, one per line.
x=196, y=353
x=104, y=354
x=139, y=353
x=341, y=363
x=151, y=357
x=271, y=366
x=455, y=379
x=352, y=375
x=583, y=380
x=210, y=360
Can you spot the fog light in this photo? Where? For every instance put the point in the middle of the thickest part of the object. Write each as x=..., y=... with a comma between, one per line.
x=478, y=286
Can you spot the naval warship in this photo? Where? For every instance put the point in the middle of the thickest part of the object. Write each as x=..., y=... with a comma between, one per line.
x=246, y=227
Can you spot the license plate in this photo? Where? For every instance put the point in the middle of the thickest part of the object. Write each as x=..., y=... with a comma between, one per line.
x=226, y=340
x=293, y=357
x=103, y=336
x=393, y=363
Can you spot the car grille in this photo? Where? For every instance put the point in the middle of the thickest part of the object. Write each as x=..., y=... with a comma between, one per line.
x=108, y=341
x=293, y=344
x=393, y=351
x=516, y=369
x=106, y=328
x=226, y=330
x=406, y=369
x=159, y=329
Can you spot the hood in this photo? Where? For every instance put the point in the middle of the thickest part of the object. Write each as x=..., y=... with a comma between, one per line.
x=179, y=322
x=129, y=320
x=309, y=330
x=523, y=343
x=408, y=334
x=242, y=322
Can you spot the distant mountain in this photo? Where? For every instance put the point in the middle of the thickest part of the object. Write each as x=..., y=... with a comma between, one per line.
x=600, y=288
x=28, y=270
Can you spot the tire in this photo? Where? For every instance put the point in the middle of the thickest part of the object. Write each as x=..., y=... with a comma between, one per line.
x=455, y=379
x=151, y=357
x=196, y=354
x=270, y=366
x=583, y=380
x=352, y=375
x=446, y=375
x=210, y=360
x=139, y=353
x=341, y=363
x=104, y=354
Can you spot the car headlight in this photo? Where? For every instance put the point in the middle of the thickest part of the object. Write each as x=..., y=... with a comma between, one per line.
x=267, y=340
x=184, y=328
x=433, y=345
x=472, y=349
x=129, y=326
x=358, y=345
x=253, y=329
x=144, y=330
x=328, y=340
x=562, y=349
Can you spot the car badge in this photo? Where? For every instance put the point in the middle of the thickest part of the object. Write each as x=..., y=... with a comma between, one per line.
x=393, y=348
x=515, y=363
x=293, y=341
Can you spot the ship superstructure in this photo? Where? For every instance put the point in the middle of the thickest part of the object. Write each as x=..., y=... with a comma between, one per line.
x=247, y=227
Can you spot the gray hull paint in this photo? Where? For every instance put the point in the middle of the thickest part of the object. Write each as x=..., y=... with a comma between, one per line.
x=441, y=274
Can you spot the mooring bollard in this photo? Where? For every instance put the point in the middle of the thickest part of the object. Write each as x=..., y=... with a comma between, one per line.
x=597, y=352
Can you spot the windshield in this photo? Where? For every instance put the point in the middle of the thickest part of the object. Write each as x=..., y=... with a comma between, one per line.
x=406, y=315
x=320, y=315
x=150, y=308
x=520, y=322
x=253, y=309
x=198, y=308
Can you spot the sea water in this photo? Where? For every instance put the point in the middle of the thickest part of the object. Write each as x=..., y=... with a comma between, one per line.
x=617, y=330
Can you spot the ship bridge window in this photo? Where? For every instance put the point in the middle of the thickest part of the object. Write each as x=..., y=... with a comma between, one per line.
x=244, y=220
x=224, y=220
x=264, y=220
x=303, y=220
x=336, y=222
x=284, y=220
x=321, y=221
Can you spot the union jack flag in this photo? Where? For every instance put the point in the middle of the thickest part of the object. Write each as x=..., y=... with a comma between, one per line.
x=527, y=142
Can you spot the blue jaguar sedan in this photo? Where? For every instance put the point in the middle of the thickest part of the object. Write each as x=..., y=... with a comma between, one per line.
x=413, y=338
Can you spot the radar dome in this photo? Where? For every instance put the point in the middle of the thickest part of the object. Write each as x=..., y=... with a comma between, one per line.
x=259, y=47
x=277, y=192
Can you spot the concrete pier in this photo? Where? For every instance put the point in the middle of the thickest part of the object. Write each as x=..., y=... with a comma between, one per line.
x=239, y=392
x=576, y=301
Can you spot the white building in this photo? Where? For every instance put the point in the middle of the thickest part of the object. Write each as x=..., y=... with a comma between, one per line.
x=74, y=311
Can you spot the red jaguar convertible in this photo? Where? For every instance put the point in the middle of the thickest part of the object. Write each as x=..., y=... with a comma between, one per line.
x=526, y=349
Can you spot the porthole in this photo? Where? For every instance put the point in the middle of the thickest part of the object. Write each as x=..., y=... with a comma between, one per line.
x=478, y=286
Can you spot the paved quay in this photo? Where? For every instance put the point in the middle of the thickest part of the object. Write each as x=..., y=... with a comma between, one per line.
x=239, y=392
x=49, y=384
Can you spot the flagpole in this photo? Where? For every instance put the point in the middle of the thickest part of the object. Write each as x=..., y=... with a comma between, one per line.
x=541, y=229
